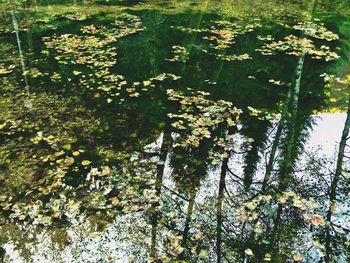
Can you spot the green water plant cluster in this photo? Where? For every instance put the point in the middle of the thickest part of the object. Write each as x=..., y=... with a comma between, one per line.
x=198, y=115
x=304, y=44
x=93, y=49
x=180, y=54
x=92, y=55
x=222, y=36
x=316, y=30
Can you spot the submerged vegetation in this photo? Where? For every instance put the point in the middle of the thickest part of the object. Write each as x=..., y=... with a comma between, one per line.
x=174, y=131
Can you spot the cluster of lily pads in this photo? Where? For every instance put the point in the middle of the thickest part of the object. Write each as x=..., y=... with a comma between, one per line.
x=316, y=30
x=299, y=45
x=222, y=36
x=180, y=54
x=93, y=48
x=198, y=116
x=335, y=88
x=93, y=54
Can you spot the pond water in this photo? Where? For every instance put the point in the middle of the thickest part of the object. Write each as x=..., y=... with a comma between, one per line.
x=175, y=131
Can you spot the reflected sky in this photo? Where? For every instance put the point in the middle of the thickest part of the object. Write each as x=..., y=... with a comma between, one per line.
x=327, y=132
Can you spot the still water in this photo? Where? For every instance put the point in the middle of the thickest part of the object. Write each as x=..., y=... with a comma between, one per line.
x=175, y=131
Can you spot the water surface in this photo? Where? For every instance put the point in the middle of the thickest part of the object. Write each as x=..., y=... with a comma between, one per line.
x=166, y=131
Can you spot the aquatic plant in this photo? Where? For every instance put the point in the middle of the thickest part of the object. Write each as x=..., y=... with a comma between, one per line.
x=297, y=46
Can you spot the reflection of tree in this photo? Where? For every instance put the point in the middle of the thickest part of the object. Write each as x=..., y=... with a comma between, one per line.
x=334, y=185
x=188, y=172
x=164, y=150
x=257, y=131
x=290, y=108
x=276, y=142
x=330, y=240
x=2, y=254
x=219, y=212
x=21, y=57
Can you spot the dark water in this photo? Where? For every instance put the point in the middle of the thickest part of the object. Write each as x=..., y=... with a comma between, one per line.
x=159, y=131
